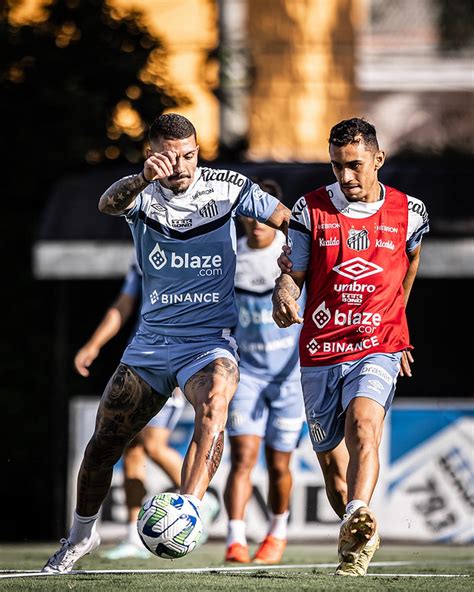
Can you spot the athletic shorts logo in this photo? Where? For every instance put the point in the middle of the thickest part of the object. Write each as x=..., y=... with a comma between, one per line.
x=357, y=268
x=358, y=239
x=321, y=316
x=375, y=385
x=209, y=210
x=316, y=430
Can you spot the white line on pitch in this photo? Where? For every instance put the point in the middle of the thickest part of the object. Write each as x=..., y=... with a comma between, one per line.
x=4, y=574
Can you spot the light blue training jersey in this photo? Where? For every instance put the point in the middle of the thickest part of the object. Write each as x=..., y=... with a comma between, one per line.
x=186, y=249
x=265, y=350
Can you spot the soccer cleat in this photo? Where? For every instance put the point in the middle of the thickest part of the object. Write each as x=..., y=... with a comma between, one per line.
x=208, y=512
x=270, y=551
x=356, y=530
x=237, y=553
x=359, y=568
x=126, y=549
x=68, y=554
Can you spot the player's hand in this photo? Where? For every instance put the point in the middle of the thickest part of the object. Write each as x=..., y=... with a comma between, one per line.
x=159, y=165
x=405, y=364
x=284, y=262
x=84, y=358
x=285, y=313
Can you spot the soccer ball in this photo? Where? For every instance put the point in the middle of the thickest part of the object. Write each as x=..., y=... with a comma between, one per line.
x=169, y=525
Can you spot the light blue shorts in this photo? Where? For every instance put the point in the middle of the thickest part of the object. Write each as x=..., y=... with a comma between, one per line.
x=328, y=390
x=270, y=410
x=169, y=415
x=165, y=361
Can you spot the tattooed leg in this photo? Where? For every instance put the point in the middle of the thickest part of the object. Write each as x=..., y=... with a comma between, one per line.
x=127, y=405
x=209, y=391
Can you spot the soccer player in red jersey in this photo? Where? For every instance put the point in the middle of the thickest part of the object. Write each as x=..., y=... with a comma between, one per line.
x=355, y=245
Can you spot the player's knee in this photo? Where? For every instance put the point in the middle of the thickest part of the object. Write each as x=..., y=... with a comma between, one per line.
x=213, y=411
x=363, y=432
x=243, y=460
x=278, y=468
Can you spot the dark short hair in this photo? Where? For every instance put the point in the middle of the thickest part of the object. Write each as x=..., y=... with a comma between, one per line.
x=353, y=131
x=171, y=126
x=270, y=186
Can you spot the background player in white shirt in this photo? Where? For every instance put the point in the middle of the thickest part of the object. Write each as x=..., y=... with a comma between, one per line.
x=268, y=404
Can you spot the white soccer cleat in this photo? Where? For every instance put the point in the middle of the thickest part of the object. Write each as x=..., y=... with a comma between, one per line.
x=127, y=549
x=356, y=531
x=208, y=512
x=68, y=554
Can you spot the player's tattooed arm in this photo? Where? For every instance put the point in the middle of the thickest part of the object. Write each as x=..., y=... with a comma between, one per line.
x=285, y=294
x=121, y=195
x=280, y=218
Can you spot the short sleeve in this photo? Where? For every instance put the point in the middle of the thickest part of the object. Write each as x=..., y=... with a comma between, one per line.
x=255, y=203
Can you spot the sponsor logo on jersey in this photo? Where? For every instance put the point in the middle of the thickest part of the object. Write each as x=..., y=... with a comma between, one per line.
x=256, y=317
x=350, y=298
x=313, y=346
x=321, y=316
x=354, y=287
x=198, y=265
x=329, y=242
x=385, y=228
x=183, y=223
x=298, y=208
x=268, y=346
x=358, y=240
x=228, y=176
x=158, y=208
x=357, y=268
x=418, y=207
x=184, y=297
x=328, y=225
x=198, y=194
x=385, y=244
x=367, y=321
x=209, y=210
x=341, y=347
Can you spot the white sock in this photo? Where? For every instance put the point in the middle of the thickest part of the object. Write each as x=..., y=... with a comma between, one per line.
x=279, y=525
x=193, y=499
x=236, y=532
x=82, y=528
x=132, y=535
x=354, y=505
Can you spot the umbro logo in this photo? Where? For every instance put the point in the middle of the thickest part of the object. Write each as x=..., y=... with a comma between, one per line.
x=209, y=210
x=158, y=208
x=357, y=268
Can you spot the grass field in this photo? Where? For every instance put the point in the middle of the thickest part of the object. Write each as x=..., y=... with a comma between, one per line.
x=395, y=568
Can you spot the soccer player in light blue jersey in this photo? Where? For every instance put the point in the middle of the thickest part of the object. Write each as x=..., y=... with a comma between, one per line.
x=268, y=404
x=181, y=219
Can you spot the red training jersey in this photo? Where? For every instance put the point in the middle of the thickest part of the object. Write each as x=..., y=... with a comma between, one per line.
x=355, y=301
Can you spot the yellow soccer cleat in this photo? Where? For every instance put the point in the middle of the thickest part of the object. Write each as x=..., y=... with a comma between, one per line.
x=360, y=567
x=356, y=531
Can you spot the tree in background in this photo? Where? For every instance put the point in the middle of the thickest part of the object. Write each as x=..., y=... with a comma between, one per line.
x=74, y=92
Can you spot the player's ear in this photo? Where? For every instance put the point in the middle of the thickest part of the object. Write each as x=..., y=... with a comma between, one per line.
x=379, y=159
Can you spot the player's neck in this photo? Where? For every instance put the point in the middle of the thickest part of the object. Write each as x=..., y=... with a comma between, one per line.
x=375, y=193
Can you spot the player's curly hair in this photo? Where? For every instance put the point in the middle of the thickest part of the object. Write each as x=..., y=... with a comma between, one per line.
x=353, y=131
x=171, y=126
